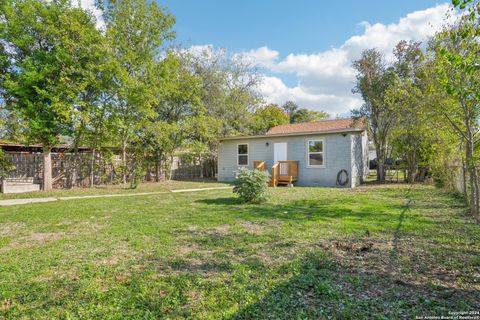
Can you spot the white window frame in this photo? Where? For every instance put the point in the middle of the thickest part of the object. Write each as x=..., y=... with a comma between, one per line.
x=307, y=153
x=243, y=154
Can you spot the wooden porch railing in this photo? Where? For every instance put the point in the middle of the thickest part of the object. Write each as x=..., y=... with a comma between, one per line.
x=259, y=165
x=284, y=172
x=274, y=178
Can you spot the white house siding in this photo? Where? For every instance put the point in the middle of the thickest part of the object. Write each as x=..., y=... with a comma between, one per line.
x=338, y=153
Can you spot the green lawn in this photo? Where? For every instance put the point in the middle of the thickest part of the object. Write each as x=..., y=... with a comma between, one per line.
x=115, y=189
x=385, y=252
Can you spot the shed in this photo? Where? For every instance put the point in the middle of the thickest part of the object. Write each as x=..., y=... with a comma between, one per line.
x=324, y=153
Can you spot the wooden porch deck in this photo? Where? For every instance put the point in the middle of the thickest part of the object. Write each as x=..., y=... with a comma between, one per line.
x=283, y=172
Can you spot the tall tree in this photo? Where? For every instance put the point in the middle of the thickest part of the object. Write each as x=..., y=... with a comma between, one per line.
x=298, y=115
x=457, y=63
x=305, y=115
x=373, y=79
x=47, y=45
x=136, y=31
x=177, y=108
x=290, y=107
x=12, y=127
x=228, y=92
x=268, y=117
x=413, y=134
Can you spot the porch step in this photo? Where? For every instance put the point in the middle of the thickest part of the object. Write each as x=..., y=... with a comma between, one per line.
x=19, y=187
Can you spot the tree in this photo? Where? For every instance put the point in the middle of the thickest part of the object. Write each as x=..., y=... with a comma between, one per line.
x=96, y=121
x=135, y=31
x=229, y=87
x=12, y=127
x=178, y=111
x=228, y=92
x=298, y=115
x=457, y=62
x=372, y=80
x=305, y=115
x=290, y=107
x=413, y=135
x=267, y=117
x=48, y=46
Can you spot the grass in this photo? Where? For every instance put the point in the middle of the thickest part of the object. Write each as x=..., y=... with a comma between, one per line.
x=116, y=189
x=381, y=252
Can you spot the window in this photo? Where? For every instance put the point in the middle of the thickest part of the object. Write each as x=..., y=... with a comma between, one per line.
x=242, y=154
x=315, y=153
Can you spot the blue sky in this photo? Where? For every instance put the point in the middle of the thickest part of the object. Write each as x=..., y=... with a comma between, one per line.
x=301, y=26
x=305, y=48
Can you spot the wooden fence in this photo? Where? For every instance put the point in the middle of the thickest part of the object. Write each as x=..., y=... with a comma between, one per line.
x=27, y=167
x=68, y=170
x=81, y=170
x=188, y=169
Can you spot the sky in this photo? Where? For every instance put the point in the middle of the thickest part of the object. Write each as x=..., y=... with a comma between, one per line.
x=305, y=48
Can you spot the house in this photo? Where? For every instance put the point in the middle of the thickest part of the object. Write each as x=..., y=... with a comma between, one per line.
x=325, y=153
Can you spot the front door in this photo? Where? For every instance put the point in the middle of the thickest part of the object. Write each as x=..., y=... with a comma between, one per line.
x=279, y=152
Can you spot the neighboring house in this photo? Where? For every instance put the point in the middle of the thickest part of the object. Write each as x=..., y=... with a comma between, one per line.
x=320, y=150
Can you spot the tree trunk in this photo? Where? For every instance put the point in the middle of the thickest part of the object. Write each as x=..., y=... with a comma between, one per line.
x=170, y=169
x=422, y=173
x=47, y=168
x=92, y=169
x=473, y=177
x=75, y=164
x=380, y=165
x=412, y=169
x=158, y=164
x=201, y=166
x=124, y=162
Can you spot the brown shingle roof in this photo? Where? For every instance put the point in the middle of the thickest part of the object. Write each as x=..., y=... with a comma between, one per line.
x=318, y=126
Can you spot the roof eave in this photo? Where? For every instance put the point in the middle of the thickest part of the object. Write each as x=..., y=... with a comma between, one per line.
x=307, y=133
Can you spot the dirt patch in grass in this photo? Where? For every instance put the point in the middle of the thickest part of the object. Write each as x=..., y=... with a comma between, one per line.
x=253, y=227
x=393, y=259
x=260, y=227
x=188, y=249
x=6, y=304
x=112, y=260
x=41, y=238
x=10, y=228
x=37, y=239
x=220, y=230
x=33, y=240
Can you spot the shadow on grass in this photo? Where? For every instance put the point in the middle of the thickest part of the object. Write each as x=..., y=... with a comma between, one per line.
x=323, y=289
x=307, y=210
x=397, y=234
x=221, y=201
x=379, y=212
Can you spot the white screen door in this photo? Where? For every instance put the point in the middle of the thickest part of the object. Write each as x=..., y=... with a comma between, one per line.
x=279, y=152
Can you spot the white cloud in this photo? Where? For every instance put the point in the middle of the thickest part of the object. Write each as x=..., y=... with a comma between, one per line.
x=325, y=79
x=263, y=56
x=201, y=50
x=97, y=13
x=275, y=90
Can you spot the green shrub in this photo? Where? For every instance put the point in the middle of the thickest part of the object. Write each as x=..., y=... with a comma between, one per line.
x=137, y=176
x=251, y=185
